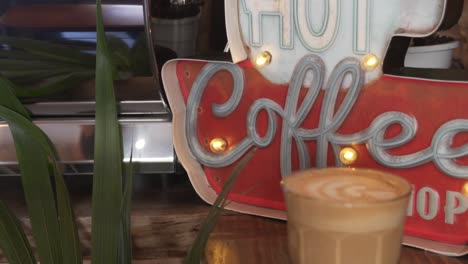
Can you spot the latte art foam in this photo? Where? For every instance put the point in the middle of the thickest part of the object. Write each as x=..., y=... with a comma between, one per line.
x=352, y=189
x=346, y=188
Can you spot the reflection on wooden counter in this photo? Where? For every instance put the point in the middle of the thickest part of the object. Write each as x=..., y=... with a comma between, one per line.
x=167, y=215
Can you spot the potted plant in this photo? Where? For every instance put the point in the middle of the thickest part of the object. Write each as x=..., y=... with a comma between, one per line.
x=431, y=52
x=436, y=50
x=52, y=218
x=175, y=25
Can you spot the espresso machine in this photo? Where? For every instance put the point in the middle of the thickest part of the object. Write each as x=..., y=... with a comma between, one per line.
x=67, y=116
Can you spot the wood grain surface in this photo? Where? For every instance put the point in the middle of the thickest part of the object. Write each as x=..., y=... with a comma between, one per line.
x=167, y=215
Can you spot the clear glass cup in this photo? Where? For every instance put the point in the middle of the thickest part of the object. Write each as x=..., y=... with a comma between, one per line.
x=345, y=216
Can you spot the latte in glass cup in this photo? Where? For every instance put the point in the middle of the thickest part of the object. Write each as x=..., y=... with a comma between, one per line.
x=345, y=216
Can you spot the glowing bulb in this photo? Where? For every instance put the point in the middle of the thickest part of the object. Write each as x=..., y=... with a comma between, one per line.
x=370, y=62
x=348, y=156
x=465, y=189
x=218, y=145
x=140, y=144
x=263, y=59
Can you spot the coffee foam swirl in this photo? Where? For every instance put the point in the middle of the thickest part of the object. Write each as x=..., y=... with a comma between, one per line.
x=351, y=189
x=346, y=188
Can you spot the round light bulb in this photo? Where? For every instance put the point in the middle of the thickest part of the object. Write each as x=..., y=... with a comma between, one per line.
x=348, y=156
x=370, y=62
x=465, y=189
x=263, y=59
x=218, y=145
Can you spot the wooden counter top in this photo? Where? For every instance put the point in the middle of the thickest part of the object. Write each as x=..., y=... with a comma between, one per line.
x=167, y=215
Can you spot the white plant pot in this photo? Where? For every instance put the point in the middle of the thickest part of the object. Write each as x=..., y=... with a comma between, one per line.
x=180, y=35
x=433, y=56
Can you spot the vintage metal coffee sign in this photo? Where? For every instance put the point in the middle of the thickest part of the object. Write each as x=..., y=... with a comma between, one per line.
x=307, y=90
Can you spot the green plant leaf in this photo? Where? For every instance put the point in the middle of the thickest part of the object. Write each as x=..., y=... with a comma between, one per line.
x=139, y=62
x=20, y=55
x=30, y=64
x=71, y=248
x=35, y=175
x=8, y=98
x=198, y=248
x=50, y=51
x=28, y=76
x=120, y=53
x=54, y=85
x=70, y=240
x=15, y=246
x=126, y=240
x=108, y=156
x=71, y=251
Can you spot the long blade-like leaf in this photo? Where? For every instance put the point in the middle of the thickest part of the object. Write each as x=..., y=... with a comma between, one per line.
x=108, y=156
x=140, y=65
x=8, y=98
x=120, y=52
x=68, y=231
x=50, y=50
x=33, y=163
x=30, y=64
x=13, y=242
x=196, y=252
x=71, y=249
x=20, y=55
x=126, y=248
x=54, y=85
x=30, y=76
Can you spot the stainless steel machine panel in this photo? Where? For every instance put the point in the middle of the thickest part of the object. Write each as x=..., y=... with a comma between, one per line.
x=152, y=150
x=67, y=117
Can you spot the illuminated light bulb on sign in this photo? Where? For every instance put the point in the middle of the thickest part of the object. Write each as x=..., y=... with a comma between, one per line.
x=369, y=62
x=218, y=145
x=263, y=59
x=465, y=189
x=348, y=156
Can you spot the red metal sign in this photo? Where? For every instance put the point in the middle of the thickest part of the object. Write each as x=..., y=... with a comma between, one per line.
x=414, y=128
